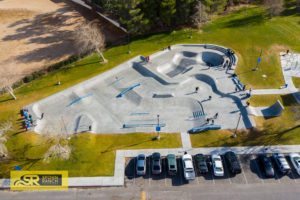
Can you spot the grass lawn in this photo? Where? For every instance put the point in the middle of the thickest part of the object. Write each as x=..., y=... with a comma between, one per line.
x=246, y=31
x=296, y=81
x=278, y=130
x=91, y=155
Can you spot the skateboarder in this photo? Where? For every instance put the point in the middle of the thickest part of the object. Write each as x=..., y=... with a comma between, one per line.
x=196, y=89
x=216, y=115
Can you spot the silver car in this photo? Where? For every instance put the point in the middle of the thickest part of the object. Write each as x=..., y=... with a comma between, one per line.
x=141, y=165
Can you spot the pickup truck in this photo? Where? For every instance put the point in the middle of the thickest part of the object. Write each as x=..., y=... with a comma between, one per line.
x=188, y=168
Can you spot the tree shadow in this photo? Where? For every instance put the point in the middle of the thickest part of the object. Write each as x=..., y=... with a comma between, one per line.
x=54, y=32
x=288, y=100
x=252, y=20
x=290, y=9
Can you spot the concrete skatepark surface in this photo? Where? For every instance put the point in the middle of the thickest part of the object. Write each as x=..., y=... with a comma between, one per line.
x=272, y=111
x=167, y=88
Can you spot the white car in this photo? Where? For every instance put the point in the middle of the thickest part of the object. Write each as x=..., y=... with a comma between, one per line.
x=217, y=165
x=188, y=168
x=295, y=159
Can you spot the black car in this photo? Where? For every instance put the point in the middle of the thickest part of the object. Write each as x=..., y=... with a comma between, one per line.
x=156, y=163
x=200, y=163
x=232, y=162
x=266, y=165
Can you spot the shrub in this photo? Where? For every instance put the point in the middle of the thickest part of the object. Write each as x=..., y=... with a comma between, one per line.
x=27, y=79
x=17, y=84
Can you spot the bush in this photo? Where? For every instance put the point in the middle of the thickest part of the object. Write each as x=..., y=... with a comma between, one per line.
x=38, y=74
x=59, y=65
x=17, y=84
x=27, y=79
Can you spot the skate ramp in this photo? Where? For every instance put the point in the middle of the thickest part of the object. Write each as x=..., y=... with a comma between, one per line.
x=183, y=62
x=212, y=59
x=273, y=111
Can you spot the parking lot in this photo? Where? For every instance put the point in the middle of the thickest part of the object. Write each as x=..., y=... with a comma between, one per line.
x=251, y=174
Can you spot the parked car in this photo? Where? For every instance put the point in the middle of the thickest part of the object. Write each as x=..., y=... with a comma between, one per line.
x=172, y=165
x=188, y=168
x=156, y=163
x=217, y=165
x=266, y=165
x=282, y=163
x=295, y=159
x=141, y=165
x=232, y=162
x=201, y=164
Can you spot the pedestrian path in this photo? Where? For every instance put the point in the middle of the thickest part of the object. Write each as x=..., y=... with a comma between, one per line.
x=118, y=178
x=289, y=87
x=185, y=140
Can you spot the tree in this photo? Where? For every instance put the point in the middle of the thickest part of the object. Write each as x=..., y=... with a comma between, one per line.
x=88, y=37
x=298, y=4
x=7, y=77
x=274, y=7
x=200, y=15
x=183, y=11
x=167, y=11
x=218, y=5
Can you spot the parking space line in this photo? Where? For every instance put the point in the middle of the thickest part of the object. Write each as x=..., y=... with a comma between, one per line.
x=149, y=182
x=212, y=176
x=257, y=168
x=244, y=174
x=276, y=176
x=134, y=173
x=197, y=179
x=166, y=170
x=227, y=174
x=294, y=178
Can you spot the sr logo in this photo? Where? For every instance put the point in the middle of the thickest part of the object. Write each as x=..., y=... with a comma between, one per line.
x=28, y=180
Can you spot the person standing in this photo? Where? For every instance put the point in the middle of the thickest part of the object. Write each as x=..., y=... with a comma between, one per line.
x=196, y=89
x=216, y=115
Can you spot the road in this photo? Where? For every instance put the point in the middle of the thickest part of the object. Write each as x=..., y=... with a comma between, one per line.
x=209, y=192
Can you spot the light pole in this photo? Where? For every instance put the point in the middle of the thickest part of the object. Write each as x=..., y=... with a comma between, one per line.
x=234, y=135
x=157, y=128
x=258, y=61
x=128, y=41
x=191, y=36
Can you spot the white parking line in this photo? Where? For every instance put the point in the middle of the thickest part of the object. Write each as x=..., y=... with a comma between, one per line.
x=276, y=176
x=227, y=174
x=149, y=182
x=166, y=170
x=212, y=176
x=134, y=173
x=244, y=174
x=293, y=176
x=197, y=179
x=260, y=175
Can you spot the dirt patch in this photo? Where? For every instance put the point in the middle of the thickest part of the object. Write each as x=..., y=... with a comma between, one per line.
x=38, y=33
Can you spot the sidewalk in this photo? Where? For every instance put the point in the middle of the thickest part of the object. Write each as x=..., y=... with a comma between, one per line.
x=287, y=79
x=118, y=178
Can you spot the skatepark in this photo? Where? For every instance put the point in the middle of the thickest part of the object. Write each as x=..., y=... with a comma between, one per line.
x=139, y=95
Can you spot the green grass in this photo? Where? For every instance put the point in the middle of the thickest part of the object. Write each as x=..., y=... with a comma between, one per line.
x=296, y=81
x=273, y=131
x=246, y=31
x=92, y=154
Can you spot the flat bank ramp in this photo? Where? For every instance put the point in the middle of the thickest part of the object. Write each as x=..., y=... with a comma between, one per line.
x=273, y=111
